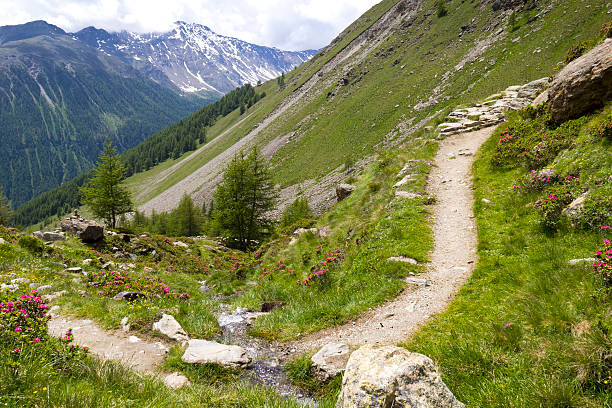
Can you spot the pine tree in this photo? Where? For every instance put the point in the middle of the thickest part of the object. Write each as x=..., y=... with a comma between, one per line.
x=6, y=214
x=243, y=199
x=105, y=195
x=281, y=80
x=296, y=211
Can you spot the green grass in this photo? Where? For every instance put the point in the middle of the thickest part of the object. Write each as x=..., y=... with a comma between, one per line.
x=300, y=372
x=552, y=353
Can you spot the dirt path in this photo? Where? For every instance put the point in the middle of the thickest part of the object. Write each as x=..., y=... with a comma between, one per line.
x=129, y=350
x=452, y=259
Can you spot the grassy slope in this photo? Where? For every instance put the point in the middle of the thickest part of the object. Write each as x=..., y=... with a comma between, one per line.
x=559, y=314
x=348, y=126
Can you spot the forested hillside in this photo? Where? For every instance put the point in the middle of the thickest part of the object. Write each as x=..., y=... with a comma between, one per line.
x=60, y=100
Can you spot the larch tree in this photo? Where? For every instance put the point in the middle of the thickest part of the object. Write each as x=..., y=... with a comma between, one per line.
x=105, y=195
x=6, y=214
x=244, y=198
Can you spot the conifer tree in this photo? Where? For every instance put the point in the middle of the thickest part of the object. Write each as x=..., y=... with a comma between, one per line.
x=188, y=218
x=296, y=211
x=243, y=199
x=6, y=214
x=105, y=195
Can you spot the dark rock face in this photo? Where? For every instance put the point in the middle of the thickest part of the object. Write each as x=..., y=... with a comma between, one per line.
x=87, y=231
x=583, y=85
x=270, y=306
x=343, y=191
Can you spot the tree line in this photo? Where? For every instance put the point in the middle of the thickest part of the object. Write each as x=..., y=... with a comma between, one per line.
x=171, y=142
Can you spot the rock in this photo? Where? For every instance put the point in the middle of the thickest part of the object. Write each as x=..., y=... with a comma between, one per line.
x=21, y=280
x=87, y=262
x=582, y=260
x=125, y=325
x=403, y=259
x=2, y=241
x=531, y=89
x=129, y=296
x=574, y=209
x=133, y=339
x=407, y=178
x=486, y=201
x=540, y=99
x=147, y=269
x=301, y=231
x=108, y=265
x=180, y=244
x=53, y=236
x=583, y=85
x=407, y=194
x=393, y=377
x=344, y=190
x=204, y=351
x=267, y=307
x=330, y=360
x=38, y=234
x=9, y=288
x=87, y=231
x=325, y=231
x=168, y=326
x=418, y=281
x=74, y=269
x=43, y=288
x=176, y=381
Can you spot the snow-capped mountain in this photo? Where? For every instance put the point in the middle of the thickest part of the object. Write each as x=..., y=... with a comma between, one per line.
x=194, y=58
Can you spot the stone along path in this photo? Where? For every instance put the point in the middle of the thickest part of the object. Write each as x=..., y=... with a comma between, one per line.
x=452, y=259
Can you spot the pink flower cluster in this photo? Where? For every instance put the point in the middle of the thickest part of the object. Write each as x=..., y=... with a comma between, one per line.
x=321, y=269
x=280, y=266
x=111, y=283
x=23, y=319
x=603, y=265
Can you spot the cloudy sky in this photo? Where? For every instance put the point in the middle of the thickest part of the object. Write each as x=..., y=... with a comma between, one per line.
x=286, y=24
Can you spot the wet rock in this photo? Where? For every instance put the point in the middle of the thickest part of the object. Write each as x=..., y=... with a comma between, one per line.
x=403, y=259
x=129, y=296
x=267, y=307
x=87, y=231
x=344, y=190
x=393, y=377
x=330, y=360
x=204, y=351
x=583, y=85
x=168, y=326
x=176, y=381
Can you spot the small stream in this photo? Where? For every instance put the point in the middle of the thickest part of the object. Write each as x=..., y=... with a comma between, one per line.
x=266, y=366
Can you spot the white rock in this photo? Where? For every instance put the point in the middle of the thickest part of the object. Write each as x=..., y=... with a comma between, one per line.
x=393, y=377
x=176, y=381
x=2, y=241
x=486, y=200
x=329, y=360
x=75, y=269
x=87, y=262
x=403, y=259
x=418, y=281
x=582, y=260
x=125, y=326
x=180, y=244
x=9, y=288
x=134, y=339
x=204, y=351
x=168, y=326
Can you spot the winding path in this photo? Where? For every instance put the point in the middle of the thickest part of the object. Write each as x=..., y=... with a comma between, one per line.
x=452, y=259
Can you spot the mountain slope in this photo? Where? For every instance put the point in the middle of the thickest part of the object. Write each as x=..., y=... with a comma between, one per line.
x=60, y=99
x=413, y=63
x=194, y=58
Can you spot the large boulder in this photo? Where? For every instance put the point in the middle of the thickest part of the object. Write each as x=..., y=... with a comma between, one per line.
x=87, y=231
x=330, y=360
x=583, y=85
x=168, y=326
x=391, y=376
x=343, y=191
x=204, y=351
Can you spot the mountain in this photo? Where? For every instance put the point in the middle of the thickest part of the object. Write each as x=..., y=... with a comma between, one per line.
x=194, y=58
x=60, y=99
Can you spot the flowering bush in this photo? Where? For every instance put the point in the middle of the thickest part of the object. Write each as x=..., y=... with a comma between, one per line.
x=320, y=271
x=576, y=52
x=603, y=265
x=603, y=129
x=536, y=181
x=597, y=209
x=554, y=200
x=110, y=283
x=268, y=271
x=606, y=30
x=23, y=330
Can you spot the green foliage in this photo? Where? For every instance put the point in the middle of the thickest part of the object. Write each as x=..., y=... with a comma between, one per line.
x=512, y=22
x=576, y=51
x=281, y=80
x=554, y=200
x=597, y=209
x=32, y=244
x=441, y=10
x=296, y=211
x=105, y=195
x=243, y=199
x=300, y=372
x=188, y=218
x=6, y=213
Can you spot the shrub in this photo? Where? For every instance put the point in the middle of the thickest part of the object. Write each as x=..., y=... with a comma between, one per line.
x=32, y=244
x=597, y=209
x=441, y=8
x=576, y=52
x=537, y=181
x=111, y=283
x=296, y=211
x=606, y=30
x=555, y=199
x=602, y=130
x=320, y=271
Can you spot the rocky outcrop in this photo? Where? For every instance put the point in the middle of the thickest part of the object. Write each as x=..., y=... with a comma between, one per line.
x=168, y=326
x=574, y=209
x=393, y=377
x=492, y=110
x=87, y=231
x=49, y=236
x=204, y=351
x=330, y=360
x=343, y=191
x=583, y=85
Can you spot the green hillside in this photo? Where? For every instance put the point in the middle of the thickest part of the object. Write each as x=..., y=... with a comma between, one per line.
x=60, y=100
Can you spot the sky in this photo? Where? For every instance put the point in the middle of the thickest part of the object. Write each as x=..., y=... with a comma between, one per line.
x=286, y=24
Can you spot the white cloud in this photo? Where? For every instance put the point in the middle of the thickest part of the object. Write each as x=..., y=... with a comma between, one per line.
x=290, y=25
